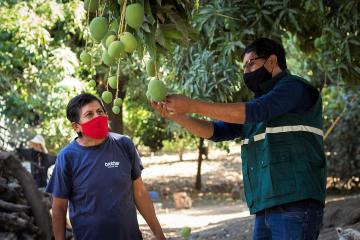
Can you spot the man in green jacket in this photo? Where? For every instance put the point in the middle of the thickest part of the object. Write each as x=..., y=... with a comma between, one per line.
x=283, y=162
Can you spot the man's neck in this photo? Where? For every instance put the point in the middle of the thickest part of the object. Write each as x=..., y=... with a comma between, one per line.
x=276, y=71
x=89, y=142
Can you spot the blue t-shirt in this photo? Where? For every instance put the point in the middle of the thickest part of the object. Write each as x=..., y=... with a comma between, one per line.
x=287, y=96
x=97, y=181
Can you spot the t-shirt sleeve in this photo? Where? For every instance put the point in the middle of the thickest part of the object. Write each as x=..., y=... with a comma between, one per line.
x=136, y=164
x=60, y=182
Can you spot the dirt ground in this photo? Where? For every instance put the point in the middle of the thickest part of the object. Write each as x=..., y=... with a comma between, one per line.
x=216, y=212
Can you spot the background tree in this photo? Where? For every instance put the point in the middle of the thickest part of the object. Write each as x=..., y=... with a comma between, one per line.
x=40, y=44
x=39, y=68
x=321, y=38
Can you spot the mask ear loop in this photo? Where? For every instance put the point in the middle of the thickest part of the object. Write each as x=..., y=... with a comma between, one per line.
x=79, y=133
x=272, y=70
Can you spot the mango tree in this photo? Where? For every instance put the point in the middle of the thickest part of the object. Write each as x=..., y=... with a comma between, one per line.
x=321, y=38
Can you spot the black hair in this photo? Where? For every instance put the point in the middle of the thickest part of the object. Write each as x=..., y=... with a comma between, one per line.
x=75, y=104
x=264, y=47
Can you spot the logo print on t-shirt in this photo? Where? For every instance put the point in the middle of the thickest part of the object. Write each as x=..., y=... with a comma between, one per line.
x=112, y=164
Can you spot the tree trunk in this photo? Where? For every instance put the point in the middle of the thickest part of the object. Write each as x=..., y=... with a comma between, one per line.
x=200, y=158
x=181, y=154
x=116, y=120
x=206, y=152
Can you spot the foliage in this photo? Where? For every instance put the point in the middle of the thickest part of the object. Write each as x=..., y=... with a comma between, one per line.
x=322, y=44
x=38, y=71
x=180, y=142
x=330, y=37
x=342, y=145
x=165, y=23
x=205, y=74
x=148, y=128
x=339, y=102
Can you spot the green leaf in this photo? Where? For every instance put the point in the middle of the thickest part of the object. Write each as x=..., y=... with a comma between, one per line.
x=170, y=31
x=179, y=22
x=145, y=27
x=294, y=21
x=148, y=13
x=160, y=38
x=151, y=42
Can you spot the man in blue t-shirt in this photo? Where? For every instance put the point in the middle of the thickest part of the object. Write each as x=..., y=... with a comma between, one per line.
x=284, y=167
x=98, y=175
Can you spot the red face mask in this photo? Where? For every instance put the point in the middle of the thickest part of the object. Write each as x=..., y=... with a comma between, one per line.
x=96, y=128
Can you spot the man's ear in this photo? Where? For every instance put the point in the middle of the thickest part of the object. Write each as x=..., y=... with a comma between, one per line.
x=273, y=60
x=76, y=127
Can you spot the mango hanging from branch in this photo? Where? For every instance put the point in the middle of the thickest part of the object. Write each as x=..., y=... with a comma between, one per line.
x=107, y=60
x=134, y=15
x=85, y=58
x=106, y=97
x=112, y=82
x=98, y=28
x=116, y=50
x=129, y=41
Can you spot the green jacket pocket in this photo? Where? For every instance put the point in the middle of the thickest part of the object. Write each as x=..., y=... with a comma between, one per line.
x=278, y=176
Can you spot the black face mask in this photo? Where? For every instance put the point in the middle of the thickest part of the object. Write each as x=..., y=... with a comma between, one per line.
x=254, y=79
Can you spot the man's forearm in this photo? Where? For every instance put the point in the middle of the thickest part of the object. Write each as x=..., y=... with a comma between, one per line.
x=146, y=209
x=227, y=112
x=198, y=127
x=59, y=223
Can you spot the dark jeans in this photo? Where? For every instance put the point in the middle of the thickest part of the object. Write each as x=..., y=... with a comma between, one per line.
x=293, y=221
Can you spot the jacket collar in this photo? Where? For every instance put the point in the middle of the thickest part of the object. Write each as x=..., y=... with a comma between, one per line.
x=268, y=85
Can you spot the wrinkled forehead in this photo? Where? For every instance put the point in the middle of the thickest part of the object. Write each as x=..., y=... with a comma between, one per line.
x=248, y=56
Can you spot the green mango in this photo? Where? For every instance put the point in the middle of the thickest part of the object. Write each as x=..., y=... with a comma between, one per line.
x=98, y=28
x=116, y=109
x=106, y=97
x=116, y=49
x=129, y=41
x=117, y=102
x=107, y=60
x=112, y=82
x=85, y=58
x=107, y=35
x=92, y=83
x=134, y=15
x=185, y=232
x=157, y=90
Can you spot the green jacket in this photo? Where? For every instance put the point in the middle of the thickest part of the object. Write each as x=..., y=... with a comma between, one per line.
x=283, y=159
